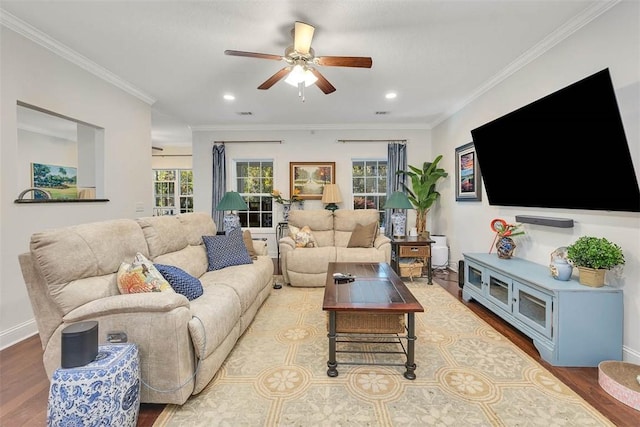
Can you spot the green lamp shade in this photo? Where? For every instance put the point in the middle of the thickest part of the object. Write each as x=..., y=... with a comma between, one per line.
x=398, y=200
x=232, y=201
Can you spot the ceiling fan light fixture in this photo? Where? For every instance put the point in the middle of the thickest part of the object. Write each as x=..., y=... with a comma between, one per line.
x=300, y=74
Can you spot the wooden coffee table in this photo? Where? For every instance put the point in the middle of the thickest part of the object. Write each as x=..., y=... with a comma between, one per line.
x=376, y=291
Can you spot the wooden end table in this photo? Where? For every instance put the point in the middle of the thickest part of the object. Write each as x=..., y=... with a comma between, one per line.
x=412, y=247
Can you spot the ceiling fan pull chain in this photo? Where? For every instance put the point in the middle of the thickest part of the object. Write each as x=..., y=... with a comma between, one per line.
x=301, y=90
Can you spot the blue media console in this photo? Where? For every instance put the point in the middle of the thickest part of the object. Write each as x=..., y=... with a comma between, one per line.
x=570, y=324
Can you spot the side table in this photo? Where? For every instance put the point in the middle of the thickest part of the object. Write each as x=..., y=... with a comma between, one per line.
x=281, y=230
x=104, y=392
x=412, y=247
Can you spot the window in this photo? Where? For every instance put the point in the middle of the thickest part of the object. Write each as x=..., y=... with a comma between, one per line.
x=173, y=191
x=370, y=185
x=254, y=182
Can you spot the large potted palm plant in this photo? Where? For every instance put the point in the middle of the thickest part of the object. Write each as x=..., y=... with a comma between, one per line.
x=422, y=192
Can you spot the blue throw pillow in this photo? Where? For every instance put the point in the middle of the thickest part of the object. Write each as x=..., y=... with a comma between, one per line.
x=181, y=281
x=226, y=250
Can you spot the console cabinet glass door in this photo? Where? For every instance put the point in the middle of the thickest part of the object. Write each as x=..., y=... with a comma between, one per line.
x=533, y=308
x=499, y=290
x=474, y=276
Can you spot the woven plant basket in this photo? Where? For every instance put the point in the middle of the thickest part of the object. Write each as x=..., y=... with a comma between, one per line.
x=591, y=276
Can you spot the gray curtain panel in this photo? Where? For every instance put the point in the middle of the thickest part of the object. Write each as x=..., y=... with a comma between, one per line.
x=396, y=161
x=219, y=183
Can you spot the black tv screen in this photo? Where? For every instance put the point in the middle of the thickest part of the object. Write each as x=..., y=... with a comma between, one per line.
x=566, y=150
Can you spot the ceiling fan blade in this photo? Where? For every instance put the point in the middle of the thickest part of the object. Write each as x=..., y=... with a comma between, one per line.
x=323, y=83
x=274, y=79
x=252, y=54
x=344, y=61
x=302, y=35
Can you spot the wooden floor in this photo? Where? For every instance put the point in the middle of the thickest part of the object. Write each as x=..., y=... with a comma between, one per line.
x=24, y=386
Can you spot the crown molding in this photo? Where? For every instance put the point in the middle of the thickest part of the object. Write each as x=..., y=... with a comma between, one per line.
x=17, y=25
x=560, y=34
x=312, y=127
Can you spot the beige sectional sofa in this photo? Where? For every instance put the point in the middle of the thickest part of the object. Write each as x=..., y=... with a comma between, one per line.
x=332, y=232
x=71, y=276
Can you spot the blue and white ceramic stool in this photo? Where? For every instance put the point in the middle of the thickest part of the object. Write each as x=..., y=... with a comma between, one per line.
x=106, y=392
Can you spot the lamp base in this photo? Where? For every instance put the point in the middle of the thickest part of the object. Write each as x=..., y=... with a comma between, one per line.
x=331, y=207
x=398, y=219
x=231, y=222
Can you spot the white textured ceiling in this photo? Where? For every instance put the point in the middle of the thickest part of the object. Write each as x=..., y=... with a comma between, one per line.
x=436, y=54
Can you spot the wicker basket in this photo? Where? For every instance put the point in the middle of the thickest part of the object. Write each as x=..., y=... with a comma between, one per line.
x=411, y=270
x=369, y=323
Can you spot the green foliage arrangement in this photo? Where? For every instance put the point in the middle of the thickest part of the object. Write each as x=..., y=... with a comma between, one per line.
x=594, y=252
x=422, y=194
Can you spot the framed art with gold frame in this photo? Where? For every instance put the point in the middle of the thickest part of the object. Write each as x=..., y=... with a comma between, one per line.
x=309, y=178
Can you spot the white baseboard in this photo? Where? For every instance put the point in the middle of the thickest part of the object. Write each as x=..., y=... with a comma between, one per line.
x=18, y=333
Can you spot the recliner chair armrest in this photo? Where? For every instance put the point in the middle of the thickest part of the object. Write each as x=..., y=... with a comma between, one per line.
x=131, y=303
x=286, y=243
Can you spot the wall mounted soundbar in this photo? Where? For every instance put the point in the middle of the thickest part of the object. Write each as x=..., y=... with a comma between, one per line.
x=545, y=220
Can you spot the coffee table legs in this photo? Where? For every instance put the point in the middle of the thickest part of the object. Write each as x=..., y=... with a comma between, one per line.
x=409, y=374
x=332, y=364
x=411, y=345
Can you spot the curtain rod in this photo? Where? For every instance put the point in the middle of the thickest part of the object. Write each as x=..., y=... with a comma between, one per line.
x=273, y=141
x=344, y=141
x=171, y=155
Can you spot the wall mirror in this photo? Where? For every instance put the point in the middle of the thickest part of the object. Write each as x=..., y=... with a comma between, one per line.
x=60, y=159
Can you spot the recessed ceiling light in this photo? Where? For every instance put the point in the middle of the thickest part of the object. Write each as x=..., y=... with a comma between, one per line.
x=391, y=95
x=229, y=97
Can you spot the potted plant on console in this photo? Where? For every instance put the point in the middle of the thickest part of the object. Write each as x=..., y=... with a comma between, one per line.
x=422, y=193
x=593, y=256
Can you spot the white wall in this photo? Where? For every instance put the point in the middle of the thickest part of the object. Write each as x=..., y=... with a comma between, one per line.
x=34, y=75
x=610, y=41
x=299, y=146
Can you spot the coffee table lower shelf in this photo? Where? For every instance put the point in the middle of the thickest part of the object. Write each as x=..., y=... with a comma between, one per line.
x=363, y=338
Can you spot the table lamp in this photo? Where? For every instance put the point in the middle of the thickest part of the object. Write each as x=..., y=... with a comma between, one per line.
x=398, y=200
x=232, y=201
x=331, y=195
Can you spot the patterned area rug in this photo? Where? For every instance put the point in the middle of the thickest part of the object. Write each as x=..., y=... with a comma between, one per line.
x=468, y=374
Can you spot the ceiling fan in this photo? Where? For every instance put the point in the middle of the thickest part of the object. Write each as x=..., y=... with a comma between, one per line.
x=301, y=61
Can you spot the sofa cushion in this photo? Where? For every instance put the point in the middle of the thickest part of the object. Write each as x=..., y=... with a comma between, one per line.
x=141, y=276
x=363, y=236
x=192, y=259
x=196, y=225
x=303, y=237
x=226, y=250
x=345, y=221
x=164, y=234
x=320, y=221
x=181, y=281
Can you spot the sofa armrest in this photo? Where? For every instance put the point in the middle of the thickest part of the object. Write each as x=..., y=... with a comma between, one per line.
x=260, y=246
x=132, y=303
x=286, y=243
x=380, y=241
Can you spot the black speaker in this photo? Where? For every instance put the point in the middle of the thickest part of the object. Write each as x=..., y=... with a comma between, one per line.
x=461, y=273
x=79, y=344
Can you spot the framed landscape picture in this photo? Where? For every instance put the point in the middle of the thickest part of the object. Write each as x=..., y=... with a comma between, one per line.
x=59, y=181
x=309, y=178
x=468, y=179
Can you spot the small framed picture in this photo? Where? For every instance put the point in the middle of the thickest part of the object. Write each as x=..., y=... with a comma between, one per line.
x=468, y=178
x=309, y=178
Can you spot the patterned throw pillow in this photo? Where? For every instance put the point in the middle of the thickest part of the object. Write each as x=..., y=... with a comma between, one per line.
x=181, y=281
x=226, y=250
x=141, y=276
x=303, y=237
x=363, y=235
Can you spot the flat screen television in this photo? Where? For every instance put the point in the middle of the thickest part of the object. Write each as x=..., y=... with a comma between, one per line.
x=566, y=150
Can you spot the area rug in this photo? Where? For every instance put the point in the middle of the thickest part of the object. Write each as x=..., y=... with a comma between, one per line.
x=468, y=374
